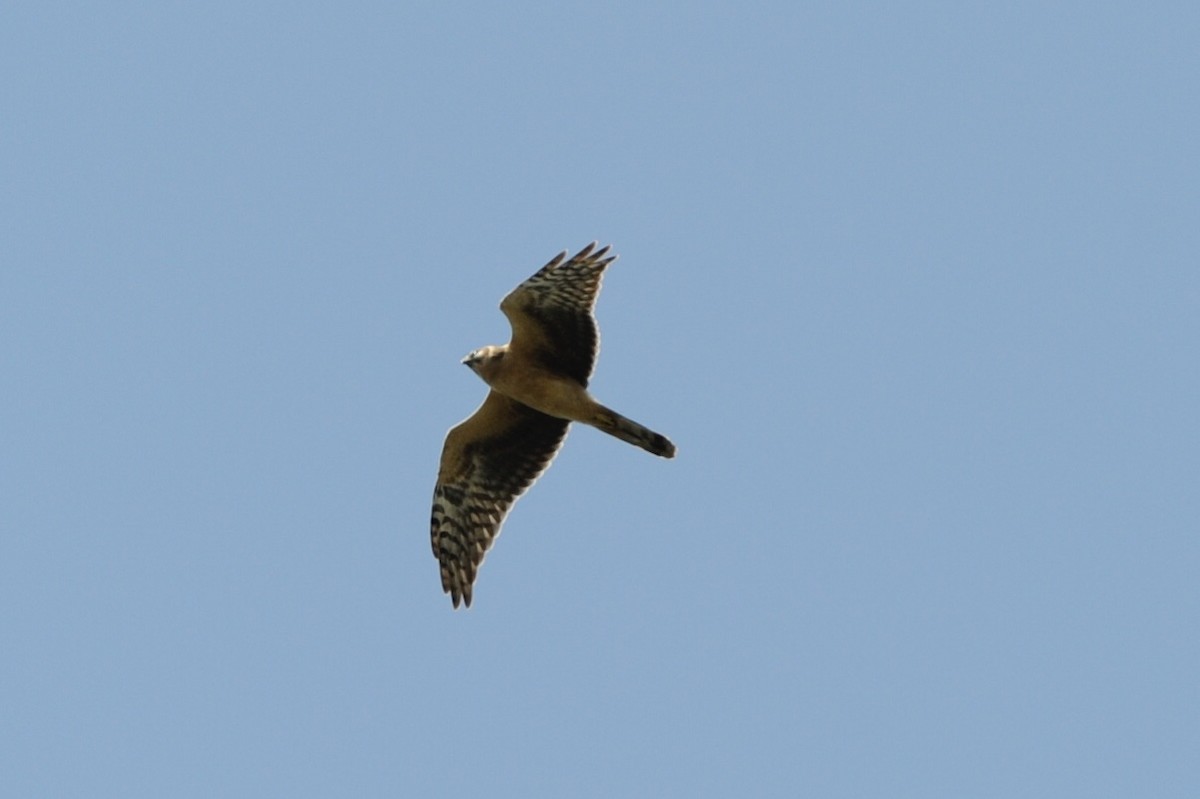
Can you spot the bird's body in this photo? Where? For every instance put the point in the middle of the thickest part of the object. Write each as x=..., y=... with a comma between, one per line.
x=532, y=384
x=538, y=385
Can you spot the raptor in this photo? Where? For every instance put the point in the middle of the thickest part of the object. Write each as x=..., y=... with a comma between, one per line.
x=538, y=386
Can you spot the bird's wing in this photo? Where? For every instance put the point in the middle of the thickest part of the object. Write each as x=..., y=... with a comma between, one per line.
x=488, y=461
x=551, y=313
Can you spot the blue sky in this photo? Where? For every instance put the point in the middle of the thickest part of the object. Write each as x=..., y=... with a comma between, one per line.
x=913, y=288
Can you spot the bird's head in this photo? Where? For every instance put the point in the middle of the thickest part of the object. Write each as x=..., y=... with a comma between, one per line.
x=484, y=359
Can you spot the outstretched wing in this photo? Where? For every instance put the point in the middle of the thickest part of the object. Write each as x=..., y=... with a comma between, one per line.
x=488, y=461
x=551, y=313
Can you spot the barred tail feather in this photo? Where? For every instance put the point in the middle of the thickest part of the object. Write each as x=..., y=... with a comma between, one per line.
x=630, y=431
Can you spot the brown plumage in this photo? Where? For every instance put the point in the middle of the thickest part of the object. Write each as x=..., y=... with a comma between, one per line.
x=538, y=387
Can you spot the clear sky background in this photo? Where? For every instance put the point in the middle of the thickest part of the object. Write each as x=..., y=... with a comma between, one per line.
x=914, y=287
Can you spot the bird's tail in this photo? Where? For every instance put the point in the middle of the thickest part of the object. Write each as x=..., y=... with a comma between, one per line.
x=615, y=424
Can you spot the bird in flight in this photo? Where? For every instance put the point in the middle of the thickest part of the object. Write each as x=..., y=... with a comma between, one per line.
x=538, y=385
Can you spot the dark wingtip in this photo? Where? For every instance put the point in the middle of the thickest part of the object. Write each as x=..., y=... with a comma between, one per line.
x=460, y=596
x=584, y=254
x=556, y=260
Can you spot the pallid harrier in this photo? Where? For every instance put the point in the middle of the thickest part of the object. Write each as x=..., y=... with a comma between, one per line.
x=538, y=387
